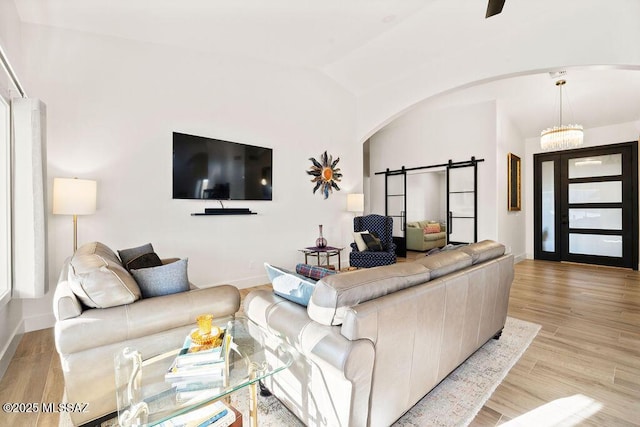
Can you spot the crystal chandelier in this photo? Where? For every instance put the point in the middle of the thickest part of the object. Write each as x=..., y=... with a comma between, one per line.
x=562, y=136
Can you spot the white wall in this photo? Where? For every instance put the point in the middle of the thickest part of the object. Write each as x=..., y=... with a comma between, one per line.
x=426, y=191
x=112, y=107
x=605, y=135
x=510, y=223
x=426, y=136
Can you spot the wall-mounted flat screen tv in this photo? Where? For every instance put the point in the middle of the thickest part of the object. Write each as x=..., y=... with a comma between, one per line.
x=208, y=168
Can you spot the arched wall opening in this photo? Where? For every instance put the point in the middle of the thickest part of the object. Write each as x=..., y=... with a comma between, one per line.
x=494, y=117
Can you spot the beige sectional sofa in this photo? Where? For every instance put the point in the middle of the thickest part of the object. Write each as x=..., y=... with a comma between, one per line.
x=87, y=338
x=373, y=342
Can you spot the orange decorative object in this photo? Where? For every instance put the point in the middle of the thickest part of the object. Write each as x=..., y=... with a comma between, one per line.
x=204, y=323
x=326, y=174
x=432, y=228
x=214, y=339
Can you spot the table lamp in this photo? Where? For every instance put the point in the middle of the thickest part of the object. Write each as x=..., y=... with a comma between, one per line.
x=73, y=196
x=355, y=202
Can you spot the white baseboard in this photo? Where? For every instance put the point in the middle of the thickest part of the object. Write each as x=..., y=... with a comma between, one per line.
x=42, y=321
x=247, y=282
x=25, y=325
x=10, y=348
x=519, y=258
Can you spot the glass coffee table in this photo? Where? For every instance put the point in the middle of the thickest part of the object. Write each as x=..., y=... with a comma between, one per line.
x=146, y=398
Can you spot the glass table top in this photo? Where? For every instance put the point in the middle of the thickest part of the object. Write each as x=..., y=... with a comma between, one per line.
x=146, y=395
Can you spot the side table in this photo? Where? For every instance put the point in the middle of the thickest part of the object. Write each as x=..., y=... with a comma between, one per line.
x=327, y=251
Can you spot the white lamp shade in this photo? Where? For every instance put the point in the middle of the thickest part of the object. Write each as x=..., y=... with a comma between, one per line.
x=355, y=202
x=72, y=196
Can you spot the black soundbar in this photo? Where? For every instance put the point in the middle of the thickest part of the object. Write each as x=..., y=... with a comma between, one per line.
x=225, y=211
x=218, y=211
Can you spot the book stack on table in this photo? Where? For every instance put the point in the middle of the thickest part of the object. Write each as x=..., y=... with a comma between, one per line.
x=215, y=414
x=196, y=368
x=197, y=372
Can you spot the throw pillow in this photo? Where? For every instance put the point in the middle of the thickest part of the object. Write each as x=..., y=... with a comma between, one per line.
x=164, y=280
x=373, y=243
x=98, y=279
x=127, y=255
x=290, y=285
x=144, y=261
x=357, y=236
x=313, y=272
x=432, y=228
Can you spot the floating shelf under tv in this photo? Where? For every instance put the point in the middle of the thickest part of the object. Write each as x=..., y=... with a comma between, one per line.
x=225, y=211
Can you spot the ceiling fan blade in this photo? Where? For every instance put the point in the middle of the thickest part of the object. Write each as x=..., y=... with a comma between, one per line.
x=494, y=7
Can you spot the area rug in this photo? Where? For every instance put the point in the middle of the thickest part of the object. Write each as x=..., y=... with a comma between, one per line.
x=455, y=401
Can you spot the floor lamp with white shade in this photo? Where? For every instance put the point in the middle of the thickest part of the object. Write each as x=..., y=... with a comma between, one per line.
x=73, y=196
x=355, y=202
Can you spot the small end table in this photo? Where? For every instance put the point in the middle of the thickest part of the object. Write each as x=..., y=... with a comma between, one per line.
x=327, y=251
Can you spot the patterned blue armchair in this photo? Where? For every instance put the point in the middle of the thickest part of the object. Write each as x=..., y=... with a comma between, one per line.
x=383, y=227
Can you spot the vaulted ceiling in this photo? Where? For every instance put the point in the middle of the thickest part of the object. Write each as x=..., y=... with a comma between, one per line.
x=365, y=45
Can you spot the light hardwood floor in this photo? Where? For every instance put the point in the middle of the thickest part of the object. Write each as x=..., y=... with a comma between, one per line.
x=584, y=365
x=585, y=362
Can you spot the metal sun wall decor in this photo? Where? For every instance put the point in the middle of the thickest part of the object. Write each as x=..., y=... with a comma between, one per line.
x=325, y=174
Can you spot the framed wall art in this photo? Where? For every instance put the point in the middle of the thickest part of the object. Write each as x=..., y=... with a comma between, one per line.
x=514, y=193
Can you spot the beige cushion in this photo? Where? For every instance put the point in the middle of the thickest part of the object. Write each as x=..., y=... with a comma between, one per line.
x=445, y=262
x=424, y=223
x=65, y=303
x=357, y=237
x=98, y=278
x=483, y=251
x=334, y=294
x=434, y=236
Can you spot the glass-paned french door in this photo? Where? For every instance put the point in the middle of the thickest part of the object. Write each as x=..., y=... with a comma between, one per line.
x=462, y=202
x=396, y=207
x=586, y=205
